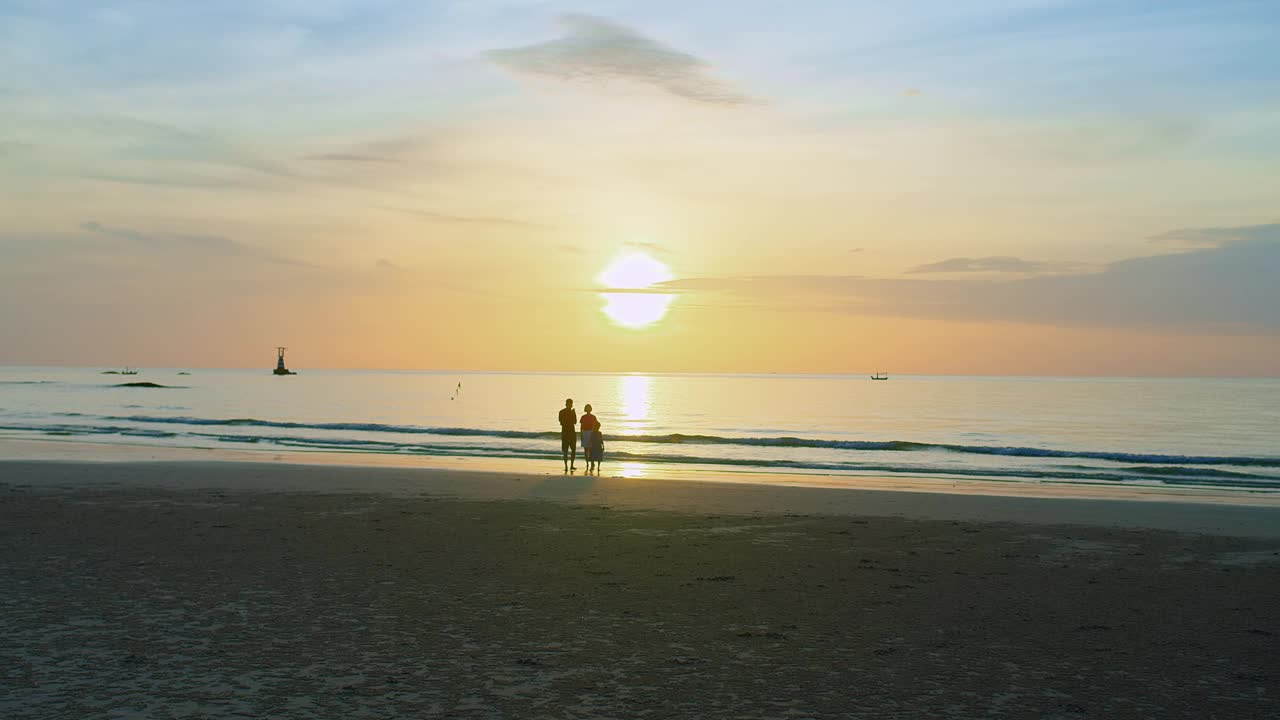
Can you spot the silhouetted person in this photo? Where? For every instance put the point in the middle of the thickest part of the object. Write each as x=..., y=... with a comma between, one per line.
x=595, y=449
x=569, y=438
x=589, y=425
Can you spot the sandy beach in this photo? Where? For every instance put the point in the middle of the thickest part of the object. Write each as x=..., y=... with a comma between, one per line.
x=181, y=589
x=927, y=356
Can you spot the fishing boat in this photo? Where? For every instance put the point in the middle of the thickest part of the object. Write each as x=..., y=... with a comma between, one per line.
x=880, y=376
x=280, y=368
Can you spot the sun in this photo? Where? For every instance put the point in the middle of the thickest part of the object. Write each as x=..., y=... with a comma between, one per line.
x=633, y=272
x=636, y=310
x=632, y=304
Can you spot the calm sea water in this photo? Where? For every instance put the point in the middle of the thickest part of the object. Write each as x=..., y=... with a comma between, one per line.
x=1220, y=433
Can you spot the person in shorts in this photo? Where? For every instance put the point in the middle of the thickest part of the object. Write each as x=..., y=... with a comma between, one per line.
x=568, y=436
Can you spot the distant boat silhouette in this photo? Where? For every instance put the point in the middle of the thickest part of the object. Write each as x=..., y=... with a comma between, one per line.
x=280, y=368
x=126, y=371
x=880, y=376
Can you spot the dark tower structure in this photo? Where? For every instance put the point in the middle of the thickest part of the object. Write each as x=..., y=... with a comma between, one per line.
x=280, y=368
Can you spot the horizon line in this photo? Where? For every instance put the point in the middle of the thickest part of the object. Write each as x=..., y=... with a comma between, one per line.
x=757, y=373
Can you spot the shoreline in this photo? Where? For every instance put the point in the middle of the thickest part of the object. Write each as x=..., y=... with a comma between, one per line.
x=54, y=449
x=1157, y=476
x=886, y=498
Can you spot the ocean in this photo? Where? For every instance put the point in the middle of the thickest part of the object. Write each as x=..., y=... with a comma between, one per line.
x=1222, y=434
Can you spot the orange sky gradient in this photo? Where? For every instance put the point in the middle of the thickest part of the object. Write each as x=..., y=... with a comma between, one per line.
x=963, y=191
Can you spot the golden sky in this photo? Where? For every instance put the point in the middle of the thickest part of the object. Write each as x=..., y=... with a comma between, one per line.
x=984, y=189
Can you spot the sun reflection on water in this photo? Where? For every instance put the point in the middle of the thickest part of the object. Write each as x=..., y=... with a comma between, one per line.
x=632, y=469
x=633, y=402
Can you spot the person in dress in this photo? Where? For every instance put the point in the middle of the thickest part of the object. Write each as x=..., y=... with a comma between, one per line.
x=589, y=425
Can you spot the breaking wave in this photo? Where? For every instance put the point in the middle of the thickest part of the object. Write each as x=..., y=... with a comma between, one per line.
x=682, y=439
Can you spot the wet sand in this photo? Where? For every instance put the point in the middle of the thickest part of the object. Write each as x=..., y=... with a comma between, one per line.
x=225, y=590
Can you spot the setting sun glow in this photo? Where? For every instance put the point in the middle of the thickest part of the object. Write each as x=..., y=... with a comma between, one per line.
x=633, y=272
x=631, y=304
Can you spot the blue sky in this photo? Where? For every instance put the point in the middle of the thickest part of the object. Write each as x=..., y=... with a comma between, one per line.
x=985, y=141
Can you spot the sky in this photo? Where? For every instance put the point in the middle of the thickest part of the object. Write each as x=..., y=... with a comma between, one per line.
x=972, y=187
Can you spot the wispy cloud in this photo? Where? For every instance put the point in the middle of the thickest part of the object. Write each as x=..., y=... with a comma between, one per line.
x=208, y=242
x=652, y=247
x=14, y=147
x=1214, y=236
x=138, y=151
x=1229, y=289
x=1102, y=141
x=166, y=179
x=594, y=50
x=135, y=128
x=349, y=158
x=440, y=217
x=992, y=264
x=397, y=148
x=205, y=244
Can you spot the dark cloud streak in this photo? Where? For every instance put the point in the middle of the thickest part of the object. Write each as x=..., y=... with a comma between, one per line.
x=350, y=158
x=1226, y=290
x=992, y=264
x=1214, y=236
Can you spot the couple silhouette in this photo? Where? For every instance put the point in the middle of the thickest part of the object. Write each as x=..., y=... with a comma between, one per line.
x=592, y=439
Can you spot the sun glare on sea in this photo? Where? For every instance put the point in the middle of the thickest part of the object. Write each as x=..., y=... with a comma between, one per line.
x=632, y=304
x=633, y=400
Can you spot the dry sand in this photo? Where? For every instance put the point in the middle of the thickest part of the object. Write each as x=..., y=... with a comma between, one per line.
x=225, y=590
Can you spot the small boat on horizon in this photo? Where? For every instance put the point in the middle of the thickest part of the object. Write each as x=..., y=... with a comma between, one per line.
x=126, y=371
x=880, y=376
